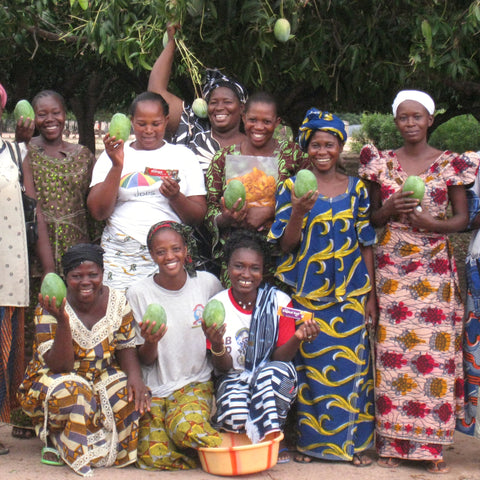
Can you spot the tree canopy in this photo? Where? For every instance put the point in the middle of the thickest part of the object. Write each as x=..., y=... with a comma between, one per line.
x=345, y=55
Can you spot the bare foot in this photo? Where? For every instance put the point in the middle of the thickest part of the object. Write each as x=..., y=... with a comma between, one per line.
x=389, y=462
x=361, y=460
x=437, y=466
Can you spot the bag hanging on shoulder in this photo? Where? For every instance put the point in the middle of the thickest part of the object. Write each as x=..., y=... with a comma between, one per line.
x=29, y=203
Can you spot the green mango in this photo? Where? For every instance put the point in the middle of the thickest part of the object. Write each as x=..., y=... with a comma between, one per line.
x=120, y=127
x=214, y=312
x=281, y=30
x=53, y=286
x=23, y=109
x=155, y=313
x=305, y=181
x=235, y=190
x=200, y=108
x=416, y=185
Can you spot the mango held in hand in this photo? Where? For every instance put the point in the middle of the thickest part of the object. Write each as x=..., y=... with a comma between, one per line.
x=235, y=190
x=304, y=182
x=165, y=39
x=120, y=126
x=53, y=286
x=214, y=312
x=155, y=313
x=200, y=108
x=416, y=185
x=23, y=109
x=281, y=30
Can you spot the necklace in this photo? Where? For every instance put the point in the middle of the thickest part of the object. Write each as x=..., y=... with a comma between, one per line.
x=245, y=305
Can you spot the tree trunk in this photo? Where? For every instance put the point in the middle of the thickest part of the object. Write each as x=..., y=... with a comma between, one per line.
x=84, y=105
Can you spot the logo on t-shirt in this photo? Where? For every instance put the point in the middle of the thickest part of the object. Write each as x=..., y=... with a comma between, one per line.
x=241, y=337
x=137, y=179
x=197, y=316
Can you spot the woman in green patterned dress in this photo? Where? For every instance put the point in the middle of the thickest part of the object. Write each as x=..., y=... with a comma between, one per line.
x=61, y=172
x=260, y=120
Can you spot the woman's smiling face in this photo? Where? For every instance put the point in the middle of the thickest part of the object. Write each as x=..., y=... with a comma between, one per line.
x=324, y=150
x=84, y=282
x=224, y=110
x=49, y=117
x=260, y=122
x=169, y=252
x=245, y=270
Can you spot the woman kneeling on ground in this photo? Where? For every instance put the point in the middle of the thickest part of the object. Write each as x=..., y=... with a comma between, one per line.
x=83, y=388
x=252, y=350
x=174, y=357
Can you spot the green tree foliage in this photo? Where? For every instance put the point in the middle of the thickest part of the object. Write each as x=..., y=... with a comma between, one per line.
x=459, y=134
x=379, y=129
x=346, y=55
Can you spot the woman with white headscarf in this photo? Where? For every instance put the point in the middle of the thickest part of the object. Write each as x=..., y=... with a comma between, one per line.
x=419, y=381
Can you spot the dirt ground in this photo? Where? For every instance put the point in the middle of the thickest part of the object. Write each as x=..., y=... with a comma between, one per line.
x=23, y=463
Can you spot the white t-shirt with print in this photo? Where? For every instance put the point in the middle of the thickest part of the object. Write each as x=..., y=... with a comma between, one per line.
x=182, y=352
x=238, y=322
x=139, y=207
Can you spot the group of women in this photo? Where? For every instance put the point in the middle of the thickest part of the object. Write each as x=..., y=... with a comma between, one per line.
x=304, y=282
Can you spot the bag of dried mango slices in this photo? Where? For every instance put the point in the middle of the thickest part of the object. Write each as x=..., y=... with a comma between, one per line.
x=259, y=175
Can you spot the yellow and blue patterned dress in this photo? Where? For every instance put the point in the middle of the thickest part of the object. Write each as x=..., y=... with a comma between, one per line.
x=85, y=413
x=330, y=278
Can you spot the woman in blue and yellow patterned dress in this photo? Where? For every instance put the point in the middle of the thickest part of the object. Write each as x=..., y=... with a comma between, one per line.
x=83, y=387
x=327, y=242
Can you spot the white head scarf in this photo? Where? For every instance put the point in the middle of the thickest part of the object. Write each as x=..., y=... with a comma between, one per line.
x=416, y=95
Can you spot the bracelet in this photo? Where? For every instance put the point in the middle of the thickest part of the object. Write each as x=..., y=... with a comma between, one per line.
x=220, y=353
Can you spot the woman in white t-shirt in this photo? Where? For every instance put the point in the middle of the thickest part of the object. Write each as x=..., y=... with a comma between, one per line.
x=253, y=349
x=138, y=183
x=174, y=358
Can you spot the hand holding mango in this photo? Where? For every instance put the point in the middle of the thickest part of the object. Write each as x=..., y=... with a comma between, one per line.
x=53, y=287
x=415, y=185
x=23, y=109
x=120, y=127
x=235, y=190
x=155, y=314
x=214, y=313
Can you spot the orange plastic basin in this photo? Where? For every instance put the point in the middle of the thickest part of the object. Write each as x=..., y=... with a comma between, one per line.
x=238, y=456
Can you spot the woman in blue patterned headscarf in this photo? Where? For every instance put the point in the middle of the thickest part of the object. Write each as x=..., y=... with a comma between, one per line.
x=327, y=242
x=318, y=120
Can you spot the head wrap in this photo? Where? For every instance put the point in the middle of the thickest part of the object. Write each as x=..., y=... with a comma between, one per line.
x=83, y=252
x=324, y=121
x=416, y=95
x=215, y=78
x=3, y=97
x=186, y=233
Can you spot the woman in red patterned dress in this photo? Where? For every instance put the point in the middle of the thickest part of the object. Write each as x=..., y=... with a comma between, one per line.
x=419, y=381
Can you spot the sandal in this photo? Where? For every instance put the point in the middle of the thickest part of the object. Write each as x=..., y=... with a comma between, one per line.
x=301, y=458
x=285, y=458
x=23, y=432
x=3, y=449
x=437, y=466
x=361, y=460
x=389, y=462
x=53, y=453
